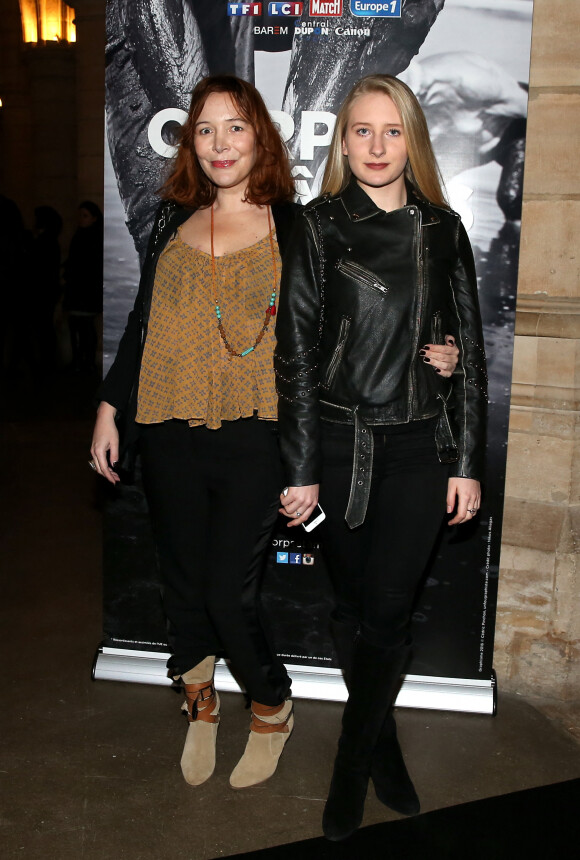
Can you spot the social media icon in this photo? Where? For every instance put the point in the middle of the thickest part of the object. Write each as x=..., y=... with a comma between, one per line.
x=307, y=558
x=282, y=557
x=295, y=558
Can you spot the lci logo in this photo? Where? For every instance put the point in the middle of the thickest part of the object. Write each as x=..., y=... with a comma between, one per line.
x=370, y=9
x=285, y=10
x=250, y=9
x=325, y=9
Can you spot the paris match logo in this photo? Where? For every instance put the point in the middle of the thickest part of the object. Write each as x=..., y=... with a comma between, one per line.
x=325, y=8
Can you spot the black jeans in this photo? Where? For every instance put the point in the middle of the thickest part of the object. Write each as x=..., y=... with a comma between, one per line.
x=377, y=567
x=213, y=497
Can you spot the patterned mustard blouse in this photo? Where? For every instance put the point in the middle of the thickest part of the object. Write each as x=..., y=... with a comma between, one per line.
x=186, y=371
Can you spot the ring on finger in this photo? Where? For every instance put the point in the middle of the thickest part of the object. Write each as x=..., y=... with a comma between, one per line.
x=471, y=510
x=297, y=514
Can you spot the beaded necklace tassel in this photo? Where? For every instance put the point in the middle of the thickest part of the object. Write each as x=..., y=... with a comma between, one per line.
x=270, y=310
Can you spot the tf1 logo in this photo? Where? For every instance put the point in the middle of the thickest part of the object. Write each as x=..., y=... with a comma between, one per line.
x=238, y=9
x=279, y=10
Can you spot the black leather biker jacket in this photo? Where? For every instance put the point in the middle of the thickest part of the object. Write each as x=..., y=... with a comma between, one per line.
x=362, y=291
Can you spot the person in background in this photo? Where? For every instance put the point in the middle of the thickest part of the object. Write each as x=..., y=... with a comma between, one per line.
x=379, y=268
x=14, y=250
x=45, y=287
x=83, y=294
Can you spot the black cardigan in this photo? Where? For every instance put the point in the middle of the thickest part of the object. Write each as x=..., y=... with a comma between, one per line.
x=120, y=386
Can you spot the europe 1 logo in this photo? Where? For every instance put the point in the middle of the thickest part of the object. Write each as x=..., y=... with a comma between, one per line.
x=387, y=9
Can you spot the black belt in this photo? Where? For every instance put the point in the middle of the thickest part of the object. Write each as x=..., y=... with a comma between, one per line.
x=362, y=464
x=362, y=458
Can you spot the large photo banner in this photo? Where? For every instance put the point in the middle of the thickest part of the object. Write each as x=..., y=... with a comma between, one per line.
x=468, y=63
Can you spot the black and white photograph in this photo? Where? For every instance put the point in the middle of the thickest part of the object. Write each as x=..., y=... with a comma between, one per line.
x=468, y=64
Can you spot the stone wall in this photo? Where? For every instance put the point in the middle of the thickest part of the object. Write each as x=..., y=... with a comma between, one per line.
x=538, y=623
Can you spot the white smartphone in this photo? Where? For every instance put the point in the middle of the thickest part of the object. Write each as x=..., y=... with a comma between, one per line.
x=315, y=518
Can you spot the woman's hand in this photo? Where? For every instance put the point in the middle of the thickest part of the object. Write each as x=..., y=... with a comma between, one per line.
x=298, y=503
x=466, y=494
x=105, y=441
x=443, y=359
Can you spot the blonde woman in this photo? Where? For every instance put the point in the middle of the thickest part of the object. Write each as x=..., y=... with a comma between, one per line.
x=379, y=268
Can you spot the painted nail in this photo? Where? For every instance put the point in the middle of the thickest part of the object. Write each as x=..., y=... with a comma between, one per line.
x=421, y=352
x=437, y=369
x=427, y=360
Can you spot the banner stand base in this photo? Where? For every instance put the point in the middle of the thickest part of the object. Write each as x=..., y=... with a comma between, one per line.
x=308, y=682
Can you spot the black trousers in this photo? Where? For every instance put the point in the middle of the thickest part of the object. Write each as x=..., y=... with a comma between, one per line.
x=213, y=497
x=377, y=567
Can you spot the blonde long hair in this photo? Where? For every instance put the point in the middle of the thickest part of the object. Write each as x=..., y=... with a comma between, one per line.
x=422, y=170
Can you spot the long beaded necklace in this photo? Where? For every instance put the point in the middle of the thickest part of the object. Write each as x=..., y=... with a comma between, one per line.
x=271, y=309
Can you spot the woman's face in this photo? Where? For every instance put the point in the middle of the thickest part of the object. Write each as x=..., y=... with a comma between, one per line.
x=374, y=142
x=86, y=218
x=225, y=143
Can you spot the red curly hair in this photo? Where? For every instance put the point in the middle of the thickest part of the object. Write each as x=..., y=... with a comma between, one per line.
x=270, y=180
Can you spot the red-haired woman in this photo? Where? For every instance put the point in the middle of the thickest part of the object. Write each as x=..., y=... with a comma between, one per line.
x=193, y=381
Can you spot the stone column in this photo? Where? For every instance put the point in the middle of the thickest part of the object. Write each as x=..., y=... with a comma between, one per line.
x=538, y=621
x=52, y=100
x=16, y=179
x=38, y=120
x=90, y=97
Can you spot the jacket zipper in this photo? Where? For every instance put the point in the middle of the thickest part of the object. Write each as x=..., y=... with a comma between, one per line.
x=436, y=329
x=419, y=309
x=446, y=418
x=338, y=351
x=362, y=275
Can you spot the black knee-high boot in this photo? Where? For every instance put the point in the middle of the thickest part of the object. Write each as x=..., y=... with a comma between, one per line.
x=373, y=686
x=393, y=785
x=344, y=632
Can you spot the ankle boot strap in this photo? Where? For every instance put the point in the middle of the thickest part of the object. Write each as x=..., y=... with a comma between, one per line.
x=201, y=701
x=261, y=727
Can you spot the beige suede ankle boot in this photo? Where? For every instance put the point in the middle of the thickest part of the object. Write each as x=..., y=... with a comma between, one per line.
x=203, y=705
x=270, y=729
